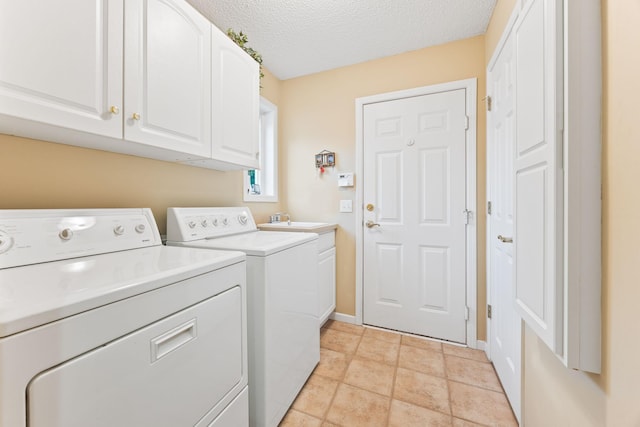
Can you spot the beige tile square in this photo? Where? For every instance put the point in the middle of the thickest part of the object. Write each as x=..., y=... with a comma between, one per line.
x=379, y=351
x=420, y=342
x=472, y=372
x=294, y=418
x=422, y=389
x=333, y=364
x=404, y=414
x=354, y=407
x=339, y=341
x=480, y=406
x=466, y=352
x=388, y=336
x=421, y=360
x=345, y=327
x=315, y=397
x=371, y=376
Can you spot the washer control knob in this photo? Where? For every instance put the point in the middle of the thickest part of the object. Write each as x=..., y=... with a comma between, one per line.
x=242, y=218
x=192, y=224
x=6, y=242
x=140, y=228
x=225, y=221
x=118, y=230
x=204, y=223
x=65, y=234
x=214, y=221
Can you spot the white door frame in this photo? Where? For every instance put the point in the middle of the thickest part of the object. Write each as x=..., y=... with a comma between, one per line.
x=470, y=85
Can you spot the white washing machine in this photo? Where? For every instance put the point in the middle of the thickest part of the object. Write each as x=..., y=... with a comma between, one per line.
x=283, y=324
x=101, y=325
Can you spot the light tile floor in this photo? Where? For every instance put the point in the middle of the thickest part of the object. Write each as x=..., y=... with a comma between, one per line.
x=369, y=377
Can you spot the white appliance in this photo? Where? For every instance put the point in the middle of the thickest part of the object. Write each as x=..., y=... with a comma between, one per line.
x=283, y=329
x=101, y=325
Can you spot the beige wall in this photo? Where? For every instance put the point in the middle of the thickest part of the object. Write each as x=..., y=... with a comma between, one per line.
x=36, y=174
x=318, y=112
x=554, y=395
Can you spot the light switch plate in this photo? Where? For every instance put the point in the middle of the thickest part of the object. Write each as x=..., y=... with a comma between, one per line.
x=346, y=205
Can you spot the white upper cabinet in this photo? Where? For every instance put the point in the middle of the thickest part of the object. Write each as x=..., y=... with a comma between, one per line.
x=167, y=86
x=61, y=63
x=236, y=103
x=130, y=76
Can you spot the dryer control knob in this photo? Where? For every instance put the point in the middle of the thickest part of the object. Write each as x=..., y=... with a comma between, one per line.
x=192, y=224
x=242, y=218
x=225, y=221
x=204, y=223
x=140, y=228
x=118, y=230
x=214, y=221
x=65, y=234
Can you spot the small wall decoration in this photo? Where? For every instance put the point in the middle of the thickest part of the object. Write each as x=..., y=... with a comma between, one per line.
x=324, y=159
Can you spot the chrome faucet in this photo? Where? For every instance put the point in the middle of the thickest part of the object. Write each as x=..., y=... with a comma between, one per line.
x=277, y=217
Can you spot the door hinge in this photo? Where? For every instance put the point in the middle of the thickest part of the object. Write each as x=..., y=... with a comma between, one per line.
x=466, y=313
x=489, y=208
x=466, y=122
x=488, y=103
x=467, y=216
x=489, y=311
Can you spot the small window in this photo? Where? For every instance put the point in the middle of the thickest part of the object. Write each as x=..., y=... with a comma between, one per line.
x=262, y=185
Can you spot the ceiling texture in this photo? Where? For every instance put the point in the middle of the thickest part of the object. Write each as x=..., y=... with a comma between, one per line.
x=300, y=37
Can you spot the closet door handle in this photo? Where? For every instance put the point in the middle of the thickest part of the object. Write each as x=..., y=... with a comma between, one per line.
x=505, y=239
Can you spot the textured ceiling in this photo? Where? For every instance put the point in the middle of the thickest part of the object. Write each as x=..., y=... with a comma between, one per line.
x=299, y=37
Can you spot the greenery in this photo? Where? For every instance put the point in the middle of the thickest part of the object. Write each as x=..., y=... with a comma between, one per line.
x=241, y=40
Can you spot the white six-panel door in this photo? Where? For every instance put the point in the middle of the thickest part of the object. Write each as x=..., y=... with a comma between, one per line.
x=504, y=324
x=414, y=261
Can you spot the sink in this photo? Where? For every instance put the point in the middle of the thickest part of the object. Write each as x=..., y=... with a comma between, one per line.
x=310, y=227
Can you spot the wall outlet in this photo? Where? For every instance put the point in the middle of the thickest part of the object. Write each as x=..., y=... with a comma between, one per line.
x=346, y=205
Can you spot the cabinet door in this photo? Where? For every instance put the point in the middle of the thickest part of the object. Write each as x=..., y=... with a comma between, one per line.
x=326, y=284
x=62, y=63
x=236, y=103
x=168, y=76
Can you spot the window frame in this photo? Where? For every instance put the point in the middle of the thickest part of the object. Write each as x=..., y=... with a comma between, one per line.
x=268, y=156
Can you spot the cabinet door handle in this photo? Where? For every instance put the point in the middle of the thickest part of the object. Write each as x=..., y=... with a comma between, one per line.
x=114, y=110
x=135, y=116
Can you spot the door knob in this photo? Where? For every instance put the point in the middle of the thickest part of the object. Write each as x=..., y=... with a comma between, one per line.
x=505, y=239
x=371, y=224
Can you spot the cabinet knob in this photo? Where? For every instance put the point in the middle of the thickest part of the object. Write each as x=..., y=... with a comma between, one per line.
x=114, y=110
x=135, y=116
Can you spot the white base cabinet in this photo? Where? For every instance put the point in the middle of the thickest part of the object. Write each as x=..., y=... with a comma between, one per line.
x=326, y=275
x=132, y=77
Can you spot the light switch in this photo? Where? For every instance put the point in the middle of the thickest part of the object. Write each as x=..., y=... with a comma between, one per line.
x=346, y=205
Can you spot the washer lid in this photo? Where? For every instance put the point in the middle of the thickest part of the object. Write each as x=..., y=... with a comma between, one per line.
x=36, y=294
x=255, y=243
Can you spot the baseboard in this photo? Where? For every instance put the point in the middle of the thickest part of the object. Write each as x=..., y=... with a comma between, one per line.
x=346, y=318
x=481, y=345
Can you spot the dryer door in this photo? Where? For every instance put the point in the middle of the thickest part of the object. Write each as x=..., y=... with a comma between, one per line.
x=170, y=373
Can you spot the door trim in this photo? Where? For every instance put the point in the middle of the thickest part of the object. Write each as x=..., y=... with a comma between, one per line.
x=470, y=86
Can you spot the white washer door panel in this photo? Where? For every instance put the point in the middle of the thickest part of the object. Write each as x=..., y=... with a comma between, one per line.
x=170, y=373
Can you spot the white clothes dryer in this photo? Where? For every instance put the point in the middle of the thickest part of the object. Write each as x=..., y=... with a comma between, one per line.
x=102, y=326
x=283, y=324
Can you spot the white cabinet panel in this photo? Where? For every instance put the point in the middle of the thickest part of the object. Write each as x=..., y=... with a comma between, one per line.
x=538, y=170
x=167, y=68
x=236, y=103
x=326, y=283
x=62, y=63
